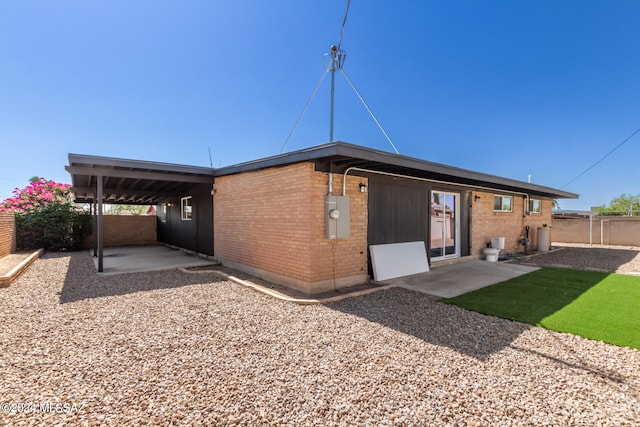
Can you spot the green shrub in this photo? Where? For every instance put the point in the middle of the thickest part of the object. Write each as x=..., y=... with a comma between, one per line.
x=56, y=226
x=46, y=216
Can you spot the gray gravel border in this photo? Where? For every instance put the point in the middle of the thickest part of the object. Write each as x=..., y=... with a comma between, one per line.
x=170, y=348
x=608, y=259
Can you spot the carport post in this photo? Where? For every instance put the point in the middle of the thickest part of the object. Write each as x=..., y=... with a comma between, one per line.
x=94, y=215
x=99, y=228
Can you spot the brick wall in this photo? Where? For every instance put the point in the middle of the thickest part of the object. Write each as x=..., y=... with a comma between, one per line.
x=344, y=260
x=271, y=223
x=7, y=233
x=126, y=230
x=486, y=223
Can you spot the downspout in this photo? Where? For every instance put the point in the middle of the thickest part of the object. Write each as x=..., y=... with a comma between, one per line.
x=330, y=179
x=330, y=183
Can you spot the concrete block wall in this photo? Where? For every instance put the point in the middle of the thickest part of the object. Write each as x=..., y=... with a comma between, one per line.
x=486, y=223
x=574, y=231
x=270, y=223
x=605, y=231
x=127, y=230
x=7, y=233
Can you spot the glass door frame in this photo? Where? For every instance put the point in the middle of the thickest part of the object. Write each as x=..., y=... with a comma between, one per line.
x=456, y=226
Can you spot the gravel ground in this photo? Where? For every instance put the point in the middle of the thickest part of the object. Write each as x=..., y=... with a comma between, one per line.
x=618, y=259
x=175, y=348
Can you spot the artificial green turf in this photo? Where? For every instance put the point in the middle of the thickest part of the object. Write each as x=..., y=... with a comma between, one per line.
x=594, y=305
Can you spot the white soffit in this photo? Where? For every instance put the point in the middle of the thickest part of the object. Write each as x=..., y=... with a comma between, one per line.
x=398, y=259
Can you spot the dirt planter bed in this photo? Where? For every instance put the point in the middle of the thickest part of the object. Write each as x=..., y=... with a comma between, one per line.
x=13, y=265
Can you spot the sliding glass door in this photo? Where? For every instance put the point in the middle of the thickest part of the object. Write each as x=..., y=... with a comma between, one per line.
x=445, y=225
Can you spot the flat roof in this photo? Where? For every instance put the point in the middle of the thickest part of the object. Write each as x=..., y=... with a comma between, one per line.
x=132, y=181
x=339, y=156
x=145, y=182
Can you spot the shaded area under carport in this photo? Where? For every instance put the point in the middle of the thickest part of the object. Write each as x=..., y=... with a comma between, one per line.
x=134, y=259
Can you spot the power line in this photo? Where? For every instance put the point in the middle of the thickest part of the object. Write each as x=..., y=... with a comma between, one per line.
x=602, y=158
x=344, y=22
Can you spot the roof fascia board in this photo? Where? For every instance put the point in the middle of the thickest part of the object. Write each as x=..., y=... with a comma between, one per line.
x=349, y=150
x=121, y=173
x=308, y=154
x=82, y=159
x=362, y=153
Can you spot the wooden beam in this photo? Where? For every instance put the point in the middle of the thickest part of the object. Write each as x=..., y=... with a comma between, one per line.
x=139, y=193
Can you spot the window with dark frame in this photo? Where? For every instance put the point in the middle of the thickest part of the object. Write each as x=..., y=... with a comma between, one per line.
x=186, y=208
x=502, y=203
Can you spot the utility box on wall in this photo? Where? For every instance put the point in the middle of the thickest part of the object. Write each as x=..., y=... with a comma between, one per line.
x=337, y=217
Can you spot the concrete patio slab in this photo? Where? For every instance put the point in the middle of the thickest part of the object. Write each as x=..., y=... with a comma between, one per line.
x=449, y=281
x=134, y=259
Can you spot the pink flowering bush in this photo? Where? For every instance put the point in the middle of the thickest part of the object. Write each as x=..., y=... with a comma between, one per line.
x=36, y=195
x=46, y=216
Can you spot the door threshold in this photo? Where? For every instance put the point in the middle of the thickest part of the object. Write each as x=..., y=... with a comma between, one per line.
x=449, y=261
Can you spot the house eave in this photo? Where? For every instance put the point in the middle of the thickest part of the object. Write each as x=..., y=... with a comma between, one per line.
x=339, y=156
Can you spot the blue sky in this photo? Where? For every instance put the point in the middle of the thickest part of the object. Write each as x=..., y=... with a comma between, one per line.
x=512, y=88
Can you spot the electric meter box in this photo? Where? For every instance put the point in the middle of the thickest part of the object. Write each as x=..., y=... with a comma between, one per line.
x=337, y=216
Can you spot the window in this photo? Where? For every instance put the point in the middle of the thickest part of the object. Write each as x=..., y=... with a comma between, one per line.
x=186, y=208
x=502, y=203
x=535, y=206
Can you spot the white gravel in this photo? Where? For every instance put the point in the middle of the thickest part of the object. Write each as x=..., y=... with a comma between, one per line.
x=189, y=349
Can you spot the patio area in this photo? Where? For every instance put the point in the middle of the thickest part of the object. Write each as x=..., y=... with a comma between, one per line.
x=135, y=259
x=443, y=281
x=451, y=280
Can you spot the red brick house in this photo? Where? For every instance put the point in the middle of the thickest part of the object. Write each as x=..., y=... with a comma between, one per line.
x=275, y=217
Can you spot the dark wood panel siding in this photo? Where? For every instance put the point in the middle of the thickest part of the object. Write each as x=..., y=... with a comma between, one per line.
x=197, y=234
x=399, y=211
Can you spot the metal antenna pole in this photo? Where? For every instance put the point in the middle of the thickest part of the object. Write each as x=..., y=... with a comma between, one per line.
x=334, y=49
x=337, y=58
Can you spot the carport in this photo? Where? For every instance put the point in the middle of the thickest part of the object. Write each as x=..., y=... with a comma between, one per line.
x=97, y=180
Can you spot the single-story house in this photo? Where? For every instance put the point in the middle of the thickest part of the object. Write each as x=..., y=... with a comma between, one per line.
x=306, y=219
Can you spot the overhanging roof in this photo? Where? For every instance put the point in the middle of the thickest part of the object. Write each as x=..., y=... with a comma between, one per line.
x=144, y=182
x=339, y=156
x=132, y=181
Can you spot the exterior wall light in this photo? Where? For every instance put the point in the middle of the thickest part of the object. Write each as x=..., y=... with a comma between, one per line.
x=363, y=188
x=476, y=198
